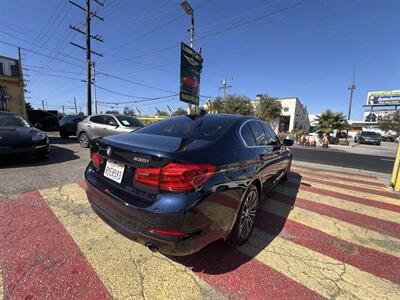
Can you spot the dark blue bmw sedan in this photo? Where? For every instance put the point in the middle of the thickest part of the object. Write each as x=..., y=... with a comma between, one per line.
x=179, y=184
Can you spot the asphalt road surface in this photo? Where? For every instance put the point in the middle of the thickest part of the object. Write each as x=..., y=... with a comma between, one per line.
x=373, y=163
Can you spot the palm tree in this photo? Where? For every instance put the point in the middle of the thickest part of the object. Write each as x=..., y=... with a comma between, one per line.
x=339, y=123
x=324, y=122
x=268, y=109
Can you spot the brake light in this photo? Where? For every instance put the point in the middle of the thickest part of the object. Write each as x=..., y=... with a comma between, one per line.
x=174, y=176
x=96, y=159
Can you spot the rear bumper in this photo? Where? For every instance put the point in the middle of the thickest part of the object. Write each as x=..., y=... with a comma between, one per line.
x=135, y=222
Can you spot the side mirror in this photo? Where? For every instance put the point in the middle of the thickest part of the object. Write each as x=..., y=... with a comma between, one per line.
x=288, y=142
x=37, y=125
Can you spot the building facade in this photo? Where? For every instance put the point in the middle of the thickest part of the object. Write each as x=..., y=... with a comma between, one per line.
x=294, y=116
x=11, y=86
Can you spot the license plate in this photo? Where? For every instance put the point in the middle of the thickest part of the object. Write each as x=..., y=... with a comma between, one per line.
x=114, y=171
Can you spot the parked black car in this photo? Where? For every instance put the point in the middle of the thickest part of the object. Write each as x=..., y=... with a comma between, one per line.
x=184, y=182
x=368, y=137
x=42, y=119
x=19, y=139
x=68, y=125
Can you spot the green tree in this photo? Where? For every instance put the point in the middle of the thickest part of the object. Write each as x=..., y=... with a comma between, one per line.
x=113, y=112
x=163, y=113
x=385, y=124
x=28, y=105
x=268, y=109
x=128, y=112
x=391, y=123
x=215, y=106
x=180, y=111
x=236, y=105
x=339, y=123
x=324, y=122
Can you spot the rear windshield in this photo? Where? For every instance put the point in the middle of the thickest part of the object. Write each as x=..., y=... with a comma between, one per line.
x=205, y=128
x=129, y=121
x=370, y=133
x=10, y=120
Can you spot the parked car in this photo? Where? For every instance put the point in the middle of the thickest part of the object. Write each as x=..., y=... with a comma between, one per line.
x=368, y=137
x=388, y=138
x=19, y=139
x=68, y=125
x=104, y=125
x=43, y=119
x=179, y=184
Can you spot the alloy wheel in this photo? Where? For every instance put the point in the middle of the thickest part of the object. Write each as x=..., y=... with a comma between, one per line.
x=248, y=214
x=84, y=140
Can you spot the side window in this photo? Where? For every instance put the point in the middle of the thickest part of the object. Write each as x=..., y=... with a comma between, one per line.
x=110, y=121
x=247, y=135
x=271, y=136
x=97, y=119
x=259, y=134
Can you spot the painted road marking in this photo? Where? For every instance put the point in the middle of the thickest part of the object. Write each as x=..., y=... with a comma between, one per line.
x=363, y=258
x=379, y=225
x=39, y=260
x=338, y=172
x=128, y=270
x=377, y=194
x=340, y=195
x=329, y=277
x=346, y=231
x=335, y=175
x=364, y=209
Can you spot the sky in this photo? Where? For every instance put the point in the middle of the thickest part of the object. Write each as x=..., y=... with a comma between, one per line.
x=284, y=48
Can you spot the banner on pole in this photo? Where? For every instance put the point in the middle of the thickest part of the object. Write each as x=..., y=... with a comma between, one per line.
x=191, y=66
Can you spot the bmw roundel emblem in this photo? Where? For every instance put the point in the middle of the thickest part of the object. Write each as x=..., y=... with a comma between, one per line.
x=109, y=151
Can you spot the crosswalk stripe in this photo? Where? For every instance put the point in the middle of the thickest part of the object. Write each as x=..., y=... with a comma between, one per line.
x=337, y=228
x=363, y=209
x=127, y=269
x=329, y=277
x=341, y=194
x=377, y=194
x=337, y=172
x=372, y=223
x=334, y=176
x=365, y=259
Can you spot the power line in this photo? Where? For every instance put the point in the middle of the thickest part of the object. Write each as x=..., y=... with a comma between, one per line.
x=133, y=96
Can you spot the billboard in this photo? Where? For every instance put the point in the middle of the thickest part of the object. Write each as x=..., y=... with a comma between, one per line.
x=377, y=115
x=384, y=98
x=191, y=65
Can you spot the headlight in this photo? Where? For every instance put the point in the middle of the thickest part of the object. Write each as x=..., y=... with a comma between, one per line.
x=38, y=136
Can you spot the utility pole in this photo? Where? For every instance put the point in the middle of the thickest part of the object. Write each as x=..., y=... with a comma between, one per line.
x=140, y=113
x=351, y=88
x=42, y=104
x=225, y=86
x=94, y=86
x=76, y=110
x=89, y=15
x=170, y=111
x=63, y=109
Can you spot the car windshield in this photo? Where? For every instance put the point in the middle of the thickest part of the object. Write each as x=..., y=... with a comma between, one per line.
x=205, y=128
x=10, y=120
x=370, y=133
x=129, y=121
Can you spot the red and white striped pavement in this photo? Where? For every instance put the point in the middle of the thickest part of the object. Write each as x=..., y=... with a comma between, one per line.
x=322, y=234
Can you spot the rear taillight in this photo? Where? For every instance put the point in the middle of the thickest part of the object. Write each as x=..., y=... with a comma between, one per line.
x=96, y=159
x=174, y=176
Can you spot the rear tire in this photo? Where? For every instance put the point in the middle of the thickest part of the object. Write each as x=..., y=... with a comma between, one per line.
x=84, y=140
x=246, y=217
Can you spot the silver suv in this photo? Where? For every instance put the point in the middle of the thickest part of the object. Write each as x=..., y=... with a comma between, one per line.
x=103, y=125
